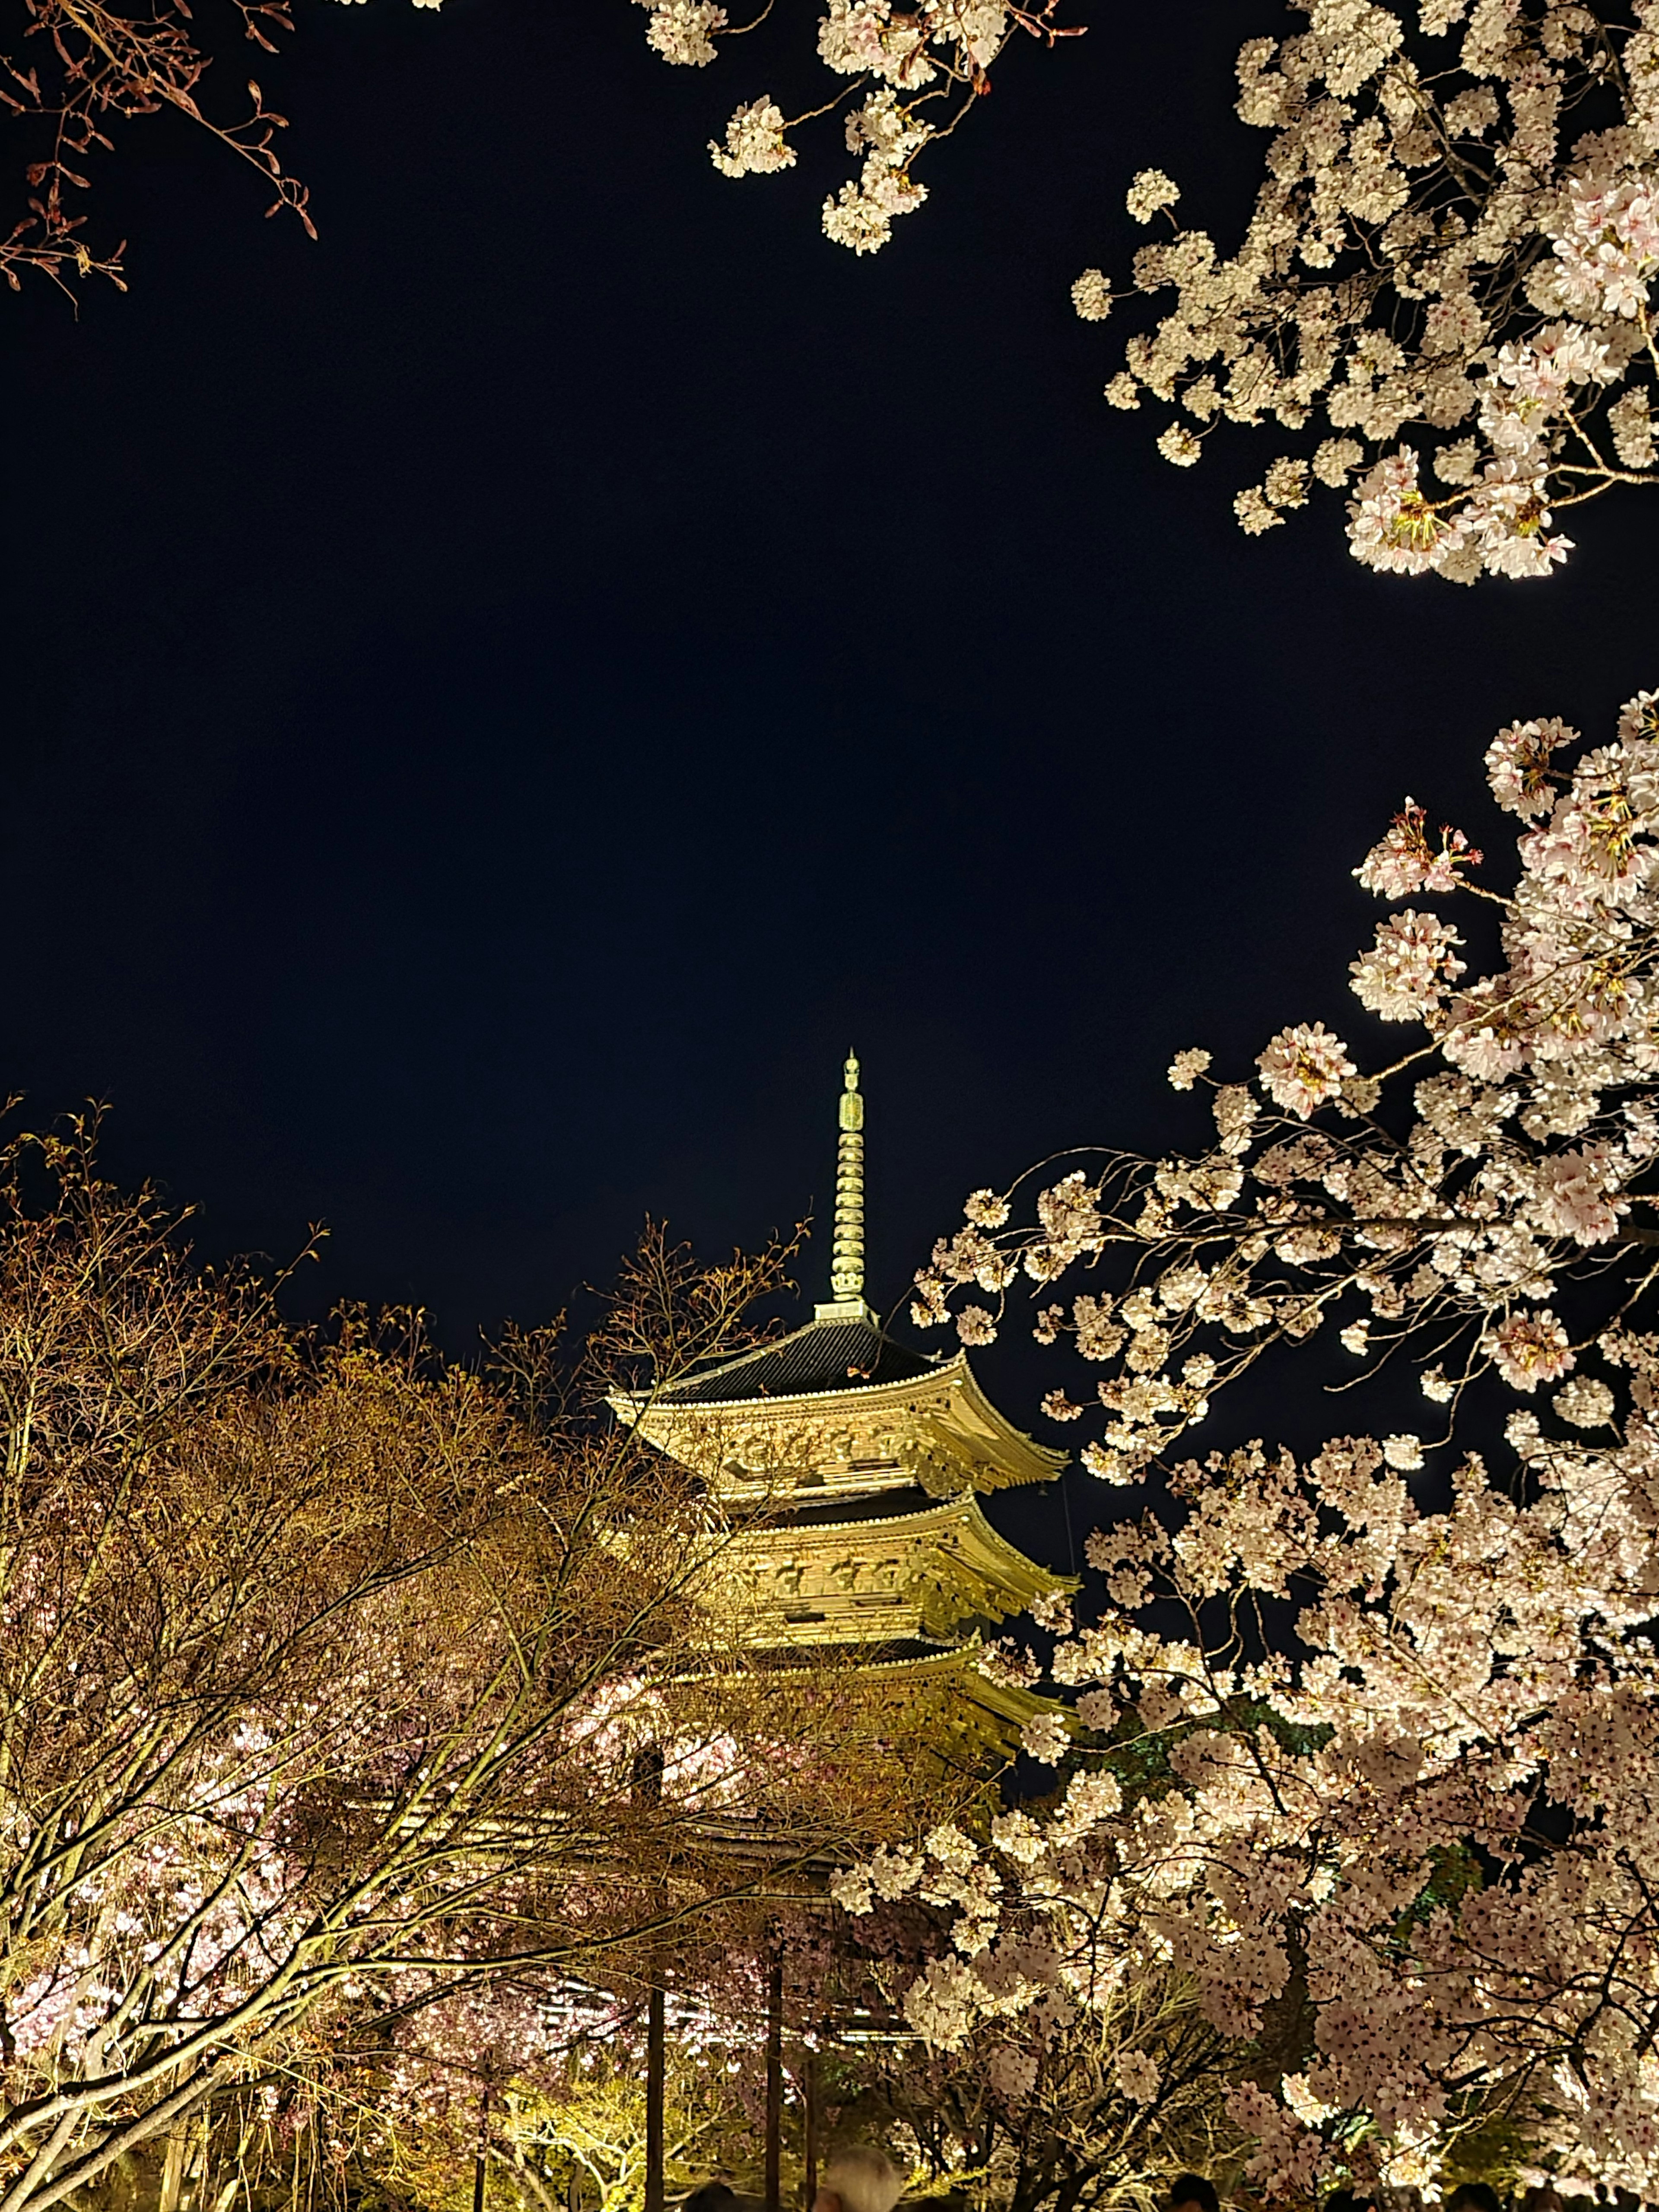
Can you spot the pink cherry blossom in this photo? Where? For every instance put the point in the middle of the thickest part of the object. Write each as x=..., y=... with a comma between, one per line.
x=1425, y=1817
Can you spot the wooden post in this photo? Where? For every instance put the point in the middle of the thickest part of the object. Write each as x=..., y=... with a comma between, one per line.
x=775, y=2084
x=647, y=1793
x=655, y=2060
x=809, y=2127
x=482, y=2151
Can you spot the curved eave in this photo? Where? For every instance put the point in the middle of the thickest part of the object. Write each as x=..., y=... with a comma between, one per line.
x=1046, y=1462
x=1016, y=1454
x=875, y=1394
x=1007, y=1702
x=957, y=1663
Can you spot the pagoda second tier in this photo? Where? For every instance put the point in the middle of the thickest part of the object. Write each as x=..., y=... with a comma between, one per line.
x=913, y=1570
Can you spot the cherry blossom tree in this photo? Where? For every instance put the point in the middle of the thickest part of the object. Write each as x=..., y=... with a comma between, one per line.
x=1081, y=2100
x=1083, y=2092
x=331, y=1680
x=87, y=68
x=1372, y=1728
x=1448, y=268
x=556, y=2120
x=1441, y=300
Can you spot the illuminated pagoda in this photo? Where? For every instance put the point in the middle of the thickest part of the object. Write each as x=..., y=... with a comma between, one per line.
x=853, y=1467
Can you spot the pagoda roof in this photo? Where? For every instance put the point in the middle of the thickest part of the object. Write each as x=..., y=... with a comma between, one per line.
x=874, y=1414
x=958, y=1671
x=825, y=1355
x=837, y=1407
x=916, y=1663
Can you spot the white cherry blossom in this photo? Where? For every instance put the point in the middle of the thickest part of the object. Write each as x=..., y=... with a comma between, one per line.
x=1429, y=1822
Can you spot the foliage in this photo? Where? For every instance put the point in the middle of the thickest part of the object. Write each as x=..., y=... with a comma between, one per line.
x=567, y=2130
x=1455, y=239
x=88, y=68
x=1089, y=2102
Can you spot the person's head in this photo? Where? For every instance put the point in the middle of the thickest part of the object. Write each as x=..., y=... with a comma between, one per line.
x=859, y=2180
x=712, y=2197
x=1348, y=2200
x=1474, y=2197
x=1191, y=2192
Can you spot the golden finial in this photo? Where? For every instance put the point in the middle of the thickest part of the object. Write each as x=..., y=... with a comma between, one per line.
x=846, y=1251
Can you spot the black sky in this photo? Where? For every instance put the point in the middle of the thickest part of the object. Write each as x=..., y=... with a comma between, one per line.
x=504, y=695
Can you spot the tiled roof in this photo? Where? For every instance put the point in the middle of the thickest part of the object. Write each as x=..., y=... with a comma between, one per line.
x=825, y=1355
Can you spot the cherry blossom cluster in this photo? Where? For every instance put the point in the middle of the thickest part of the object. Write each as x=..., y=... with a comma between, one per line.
x=1422, y=1811
x=909, y=76
x=1503, y=1154
x=1443, y=297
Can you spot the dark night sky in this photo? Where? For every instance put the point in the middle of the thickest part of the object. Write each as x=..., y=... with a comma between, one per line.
x=502, y=696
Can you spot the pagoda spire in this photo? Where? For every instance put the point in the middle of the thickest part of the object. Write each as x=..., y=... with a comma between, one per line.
x=847, y=1248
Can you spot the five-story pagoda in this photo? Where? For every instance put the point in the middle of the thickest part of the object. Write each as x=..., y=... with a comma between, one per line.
x=853, y=1467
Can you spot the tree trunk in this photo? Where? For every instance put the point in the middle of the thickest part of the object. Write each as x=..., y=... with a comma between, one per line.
x=647, y=1791
x=173, y=2169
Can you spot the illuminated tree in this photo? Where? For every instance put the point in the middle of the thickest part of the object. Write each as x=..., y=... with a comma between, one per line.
x=1372, y=1727
x=1449, y=265
x=554, y=2126
x=326, y=1674
x=1081, y=2096
x=900, y=80
x=86, y=69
